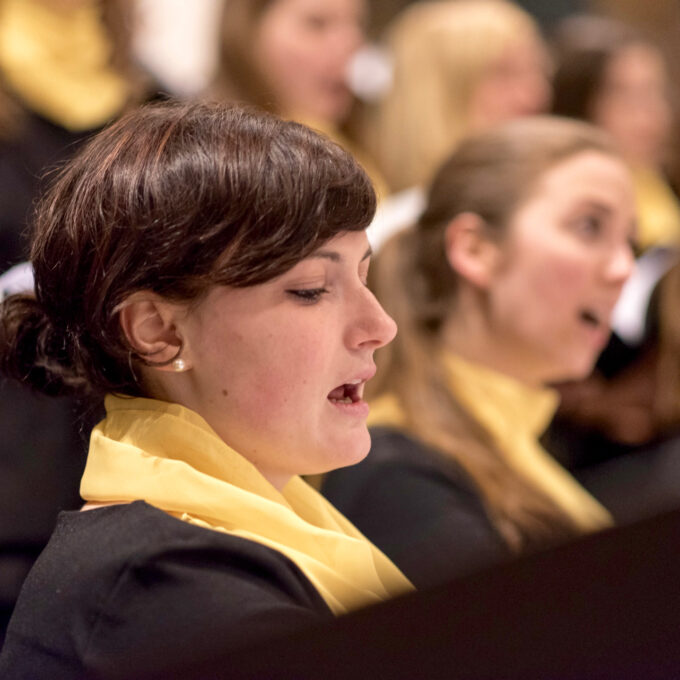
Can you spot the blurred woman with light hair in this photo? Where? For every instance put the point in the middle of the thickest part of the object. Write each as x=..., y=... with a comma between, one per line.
x=458, y=66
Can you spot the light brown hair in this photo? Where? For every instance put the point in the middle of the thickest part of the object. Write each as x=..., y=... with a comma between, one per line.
x=440, y=51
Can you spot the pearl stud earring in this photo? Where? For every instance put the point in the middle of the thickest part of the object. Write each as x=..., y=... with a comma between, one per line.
x=179, y=365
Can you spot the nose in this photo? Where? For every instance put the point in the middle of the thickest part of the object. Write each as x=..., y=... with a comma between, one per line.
x=371, y=326
x=620, y=264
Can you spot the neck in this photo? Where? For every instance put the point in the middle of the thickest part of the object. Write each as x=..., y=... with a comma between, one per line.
x=468, y=333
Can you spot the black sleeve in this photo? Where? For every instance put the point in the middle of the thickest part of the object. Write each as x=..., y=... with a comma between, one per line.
x=129, y=592
x=188, y=606
x=430, y=521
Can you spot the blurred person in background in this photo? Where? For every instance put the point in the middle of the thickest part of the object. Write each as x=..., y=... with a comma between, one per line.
x=608, y=74
x=618, y=429
x=292, y=57
x=505, y=285
x=457, y=67
x=65, y=71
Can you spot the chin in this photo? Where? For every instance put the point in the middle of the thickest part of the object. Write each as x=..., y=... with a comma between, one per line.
x=577, y=371
x=338, y=454
x=354, y=450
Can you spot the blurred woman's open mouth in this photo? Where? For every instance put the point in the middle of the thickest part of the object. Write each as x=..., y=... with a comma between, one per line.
x=596, y=324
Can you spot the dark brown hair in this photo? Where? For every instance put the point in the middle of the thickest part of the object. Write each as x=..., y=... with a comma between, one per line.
x=173, y=198
x=584, y=45
x=491, y=175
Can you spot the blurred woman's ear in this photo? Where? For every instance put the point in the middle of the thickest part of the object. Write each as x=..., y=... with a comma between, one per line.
x=470, y=251
x=149, y=324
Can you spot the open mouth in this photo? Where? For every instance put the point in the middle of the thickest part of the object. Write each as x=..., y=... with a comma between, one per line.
x=592, y=318
x=347, y=393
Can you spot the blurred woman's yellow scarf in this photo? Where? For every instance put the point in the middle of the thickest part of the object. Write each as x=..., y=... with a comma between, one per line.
x=58, y=60
x=169, y=457
x=515, y=415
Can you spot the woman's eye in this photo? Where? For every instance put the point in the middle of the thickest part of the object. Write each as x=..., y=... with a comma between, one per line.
x=317, y=23
x=589, y=225
x=308, y=295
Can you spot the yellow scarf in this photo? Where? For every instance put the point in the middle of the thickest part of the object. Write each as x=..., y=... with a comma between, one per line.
x=658, y=210
x=169, y=457
x=515, y=415
x=58, y=62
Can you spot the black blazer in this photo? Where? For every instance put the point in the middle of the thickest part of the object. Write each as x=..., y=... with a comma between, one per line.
x=128, y=590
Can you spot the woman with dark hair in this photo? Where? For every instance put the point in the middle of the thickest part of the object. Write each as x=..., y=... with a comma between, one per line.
x=202, y=268
x=505, y=285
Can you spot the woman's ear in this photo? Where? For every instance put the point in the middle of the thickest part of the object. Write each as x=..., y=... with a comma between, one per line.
x=149, y=324
x=469, y=250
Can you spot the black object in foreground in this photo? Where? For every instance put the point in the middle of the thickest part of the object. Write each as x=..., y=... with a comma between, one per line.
x=606, y=606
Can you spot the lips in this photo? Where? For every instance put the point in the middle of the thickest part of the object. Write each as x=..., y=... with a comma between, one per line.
x=596, y=324
x=597, y=316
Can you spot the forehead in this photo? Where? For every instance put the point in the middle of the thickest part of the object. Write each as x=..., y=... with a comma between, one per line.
x=588, y=174
x=347, y=245
x=326, y=7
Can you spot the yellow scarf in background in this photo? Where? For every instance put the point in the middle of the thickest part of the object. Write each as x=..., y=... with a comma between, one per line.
x=169, y=457
x=515, y=415
x=658, y=210
x=58, y=62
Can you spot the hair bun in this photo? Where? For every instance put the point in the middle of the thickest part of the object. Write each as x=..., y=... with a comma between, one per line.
x=32, y=350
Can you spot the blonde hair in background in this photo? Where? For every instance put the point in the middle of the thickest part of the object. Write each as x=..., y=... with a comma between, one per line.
x=440, y=50
x=490, y=175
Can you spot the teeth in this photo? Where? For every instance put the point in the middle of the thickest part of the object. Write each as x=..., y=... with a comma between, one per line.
x=355, y=382
x=346, y=400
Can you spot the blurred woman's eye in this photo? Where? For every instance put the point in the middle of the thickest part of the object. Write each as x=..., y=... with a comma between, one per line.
x=307, y=295
x=317, y=22
x=589, y=226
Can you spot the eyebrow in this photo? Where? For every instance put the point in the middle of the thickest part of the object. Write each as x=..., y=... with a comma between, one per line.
x=598, y=205
x=334, y=256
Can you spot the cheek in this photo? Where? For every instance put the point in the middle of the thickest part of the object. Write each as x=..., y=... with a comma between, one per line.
x=544, y=289
x=290, y=60
x=285, y=375
x=279, y=60
x=613, y=117
x=561, y=278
